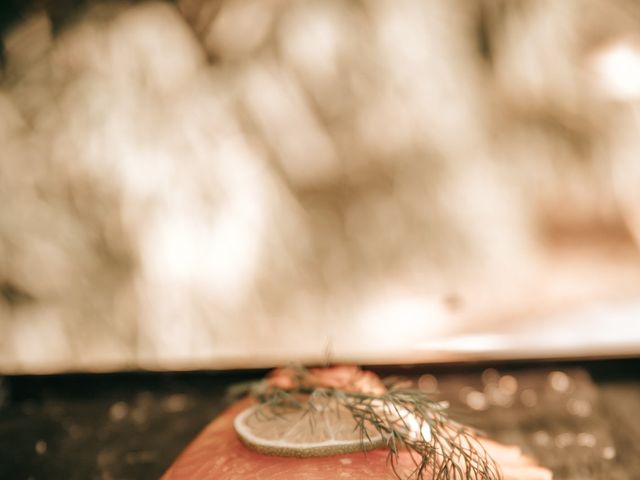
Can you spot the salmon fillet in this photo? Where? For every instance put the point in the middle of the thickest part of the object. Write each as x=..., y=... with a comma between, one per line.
x=218, y=454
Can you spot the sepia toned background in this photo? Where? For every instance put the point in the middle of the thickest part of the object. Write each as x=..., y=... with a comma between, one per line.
x=223, y=184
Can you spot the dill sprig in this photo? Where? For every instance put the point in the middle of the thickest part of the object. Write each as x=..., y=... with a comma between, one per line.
x=406, y=419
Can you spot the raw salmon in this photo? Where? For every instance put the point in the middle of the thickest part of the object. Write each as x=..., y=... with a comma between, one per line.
x=218, y=454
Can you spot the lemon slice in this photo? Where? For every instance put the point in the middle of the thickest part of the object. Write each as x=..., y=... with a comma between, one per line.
x=324, y=429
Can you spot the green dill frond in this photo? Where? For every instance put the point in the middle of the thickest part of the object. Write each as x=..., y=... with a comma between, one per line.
x=439, y=447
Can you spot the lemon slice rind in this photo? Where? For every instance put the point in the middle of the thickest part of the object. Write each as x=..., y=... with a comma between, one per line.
x=285, y=448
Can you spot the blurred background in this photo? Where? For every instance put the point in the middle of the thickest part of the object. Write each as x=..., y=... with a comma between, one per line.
x=245, y=183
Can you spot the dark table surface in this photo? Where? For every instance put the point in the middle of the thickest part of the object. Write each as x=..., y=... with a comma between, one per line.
x=580, y=419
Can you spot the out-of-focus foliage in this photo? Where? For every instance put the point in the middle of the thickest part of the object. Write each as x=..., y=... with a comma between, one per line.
x=190, y=184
